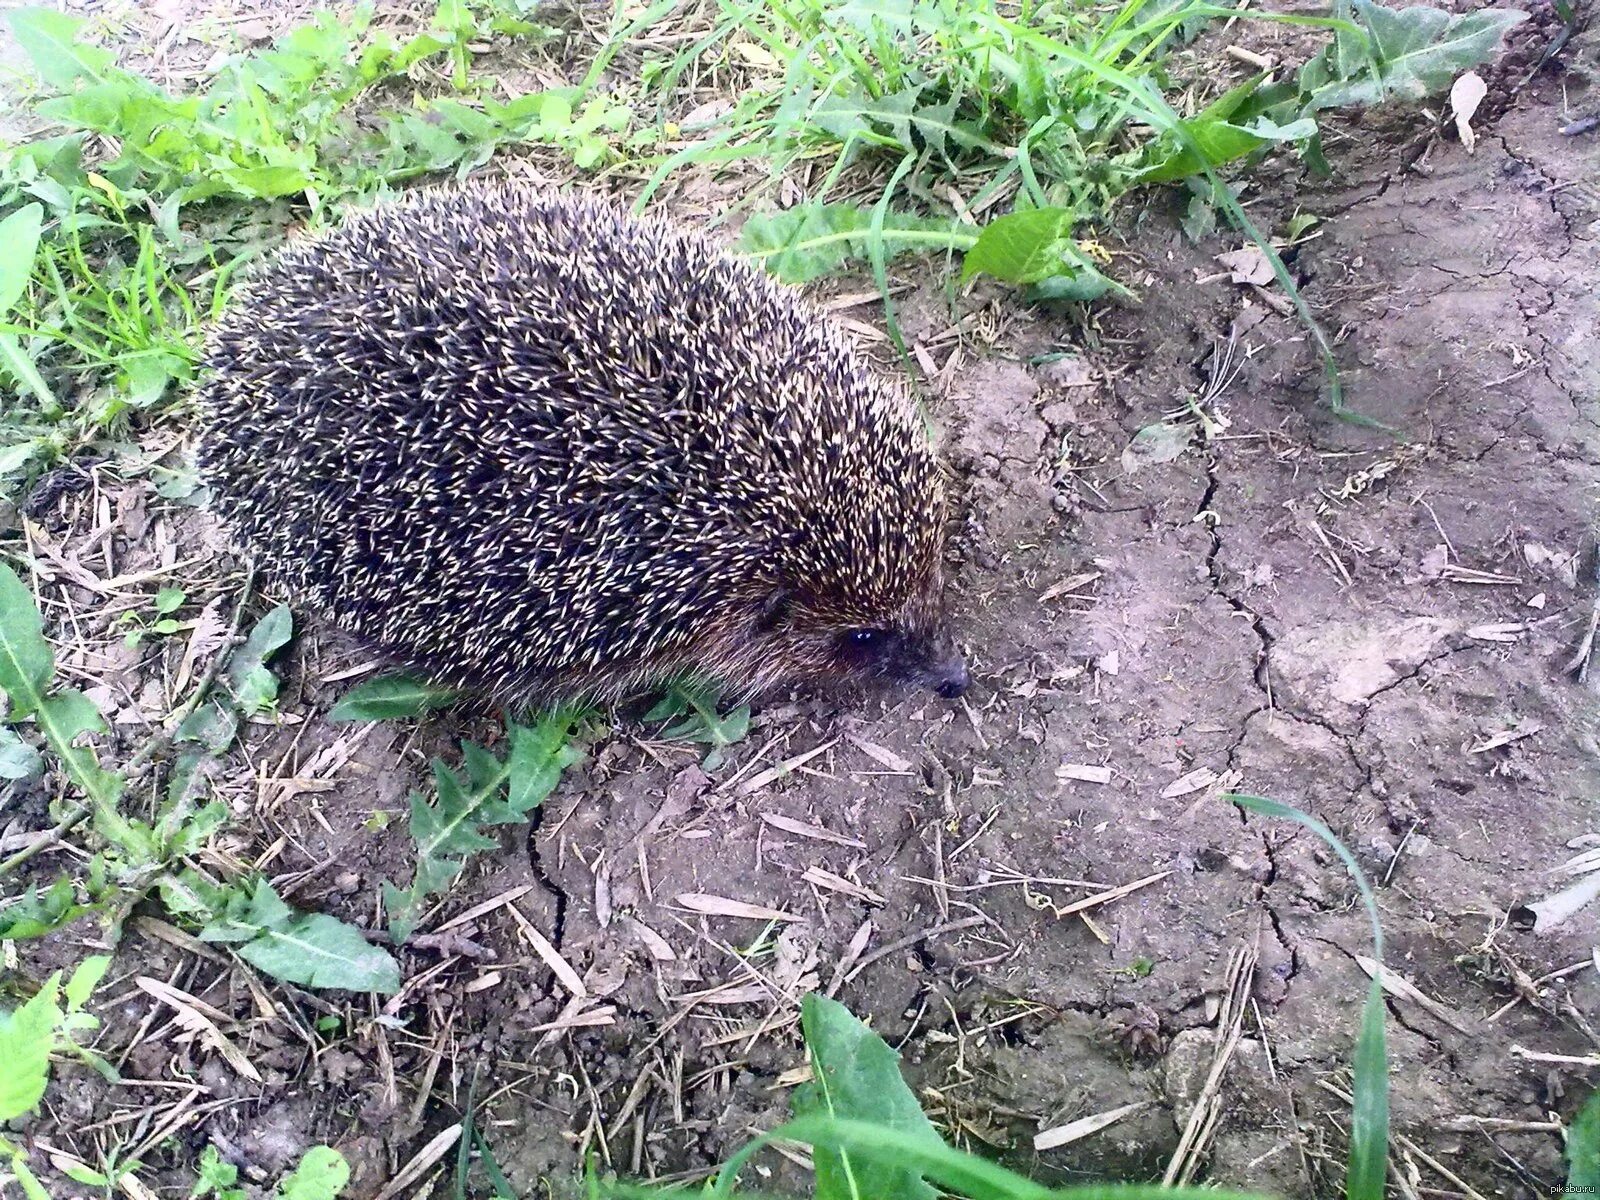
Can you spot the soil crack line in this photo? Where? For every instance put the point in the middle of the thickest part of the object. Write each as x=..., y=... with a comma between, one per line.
x=556, y=891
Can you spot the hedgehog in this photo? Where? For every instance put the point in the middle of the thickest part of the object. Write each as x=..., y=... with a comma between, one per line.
x=533, y=448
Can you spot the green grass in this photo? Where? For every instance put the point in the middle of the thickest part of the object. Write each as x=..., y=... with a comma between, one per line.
x=1040, y=123
x=49, y=1024
x=102, y=309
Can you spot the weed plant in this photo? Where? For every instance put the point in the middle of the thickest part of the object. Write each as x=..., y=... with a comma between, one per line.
x=111, y=264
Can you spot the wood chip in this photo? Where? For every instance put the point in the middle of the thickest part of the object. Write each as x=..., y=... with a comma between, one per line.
x=1565, y=1060
x=1105, y=897
x=1083, y=773
x=1072, y=1131
x=721, y=906
x=1070, y=584
x=1466, y=94
x=1457, y=574
x=1200, y=777
x=174, y=936
x=881, y=755
x=1402, y=989
x=421, y=1163
x=1500, y=631
x=793, y=1077
x=731, y=993
x=1505, y=737
x=772, y=774
x=606, y=1014
x=657, y=945
x=199, y=1018
x=818, y=877
x=488, y=906
x=858, y=944
x=815, y=832
x=562, y=969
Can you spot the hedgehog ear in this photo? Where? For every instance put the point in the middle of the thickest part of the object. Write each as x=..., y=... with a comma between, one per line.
x=773, y=609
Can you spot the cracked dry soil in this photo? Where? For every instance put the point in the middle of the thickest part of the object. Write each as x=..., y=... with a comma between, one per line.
x=1343, y=619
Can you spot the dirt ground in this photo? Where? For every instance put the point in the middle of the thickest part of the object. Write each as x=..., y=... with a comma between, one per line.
x=1253, y=595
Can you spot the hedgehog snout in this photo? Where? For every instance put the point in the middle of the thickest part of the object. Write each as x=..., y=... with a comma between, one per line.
x=933, y=660
x=950, y=678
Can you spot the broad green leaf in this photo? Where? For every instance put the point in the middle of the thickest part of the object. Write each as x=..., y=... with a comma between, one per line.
x=215, y=1176
x=1155, y=444
x=212, y=726
x=18, y=760
x=32, y=1189
x=317, y=950
x=19, y=454
x=856, y=1076
x=145, y=380
x=21, y=367
x=449, y=828
x=187, y=893
x=389, y=698
x=900, y=119
x=252, y=686
x=1413, y=53
x=956, y=1173
x=25, y=668
x=811, y=240
x=27, y=1035
x=19, y=244
x=539, y=754
x=1213, y=143
x=1022, y=247
x=321, y=1175
x=1583, y=1150
x=50, y=38
x=312, y=949
x=270, y=635
x=85, y=978
x=37, y=913
x=265, y=183
x=1035, y=247
x=26, y=662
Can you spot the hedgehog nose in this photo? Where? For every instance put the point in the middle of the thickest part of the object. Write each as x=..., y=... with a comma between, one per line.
x=950, y=679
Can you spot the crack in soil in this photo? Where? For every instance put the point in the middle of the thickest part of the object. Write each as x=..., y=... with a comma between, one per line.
x=536, y=867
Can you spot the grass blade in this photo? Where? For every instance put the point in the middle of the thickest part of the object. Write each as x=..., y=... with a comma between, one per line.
x=1583, y=1149
x=1369, y=1118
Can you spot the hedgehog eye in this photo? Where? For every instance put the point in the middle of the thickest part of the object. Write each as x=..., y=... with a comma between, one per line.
x=866, y=639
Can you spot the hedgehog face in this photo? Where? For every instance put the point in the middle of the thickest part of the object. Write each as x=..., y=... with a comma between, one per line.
x=907, y=646
x=902, y=655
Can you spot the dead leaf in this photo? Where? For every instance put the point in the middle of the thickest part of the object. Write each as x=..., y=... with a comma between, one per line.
x=1196, y=779
x=816, y=832
x=1084, y=773
x=721, y=906
x=1435, y=561
x=881, y=755
x=1160, y=443
x=1248, y=266
x=1465, y=96
x=197, y=1017
x=822, y=878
